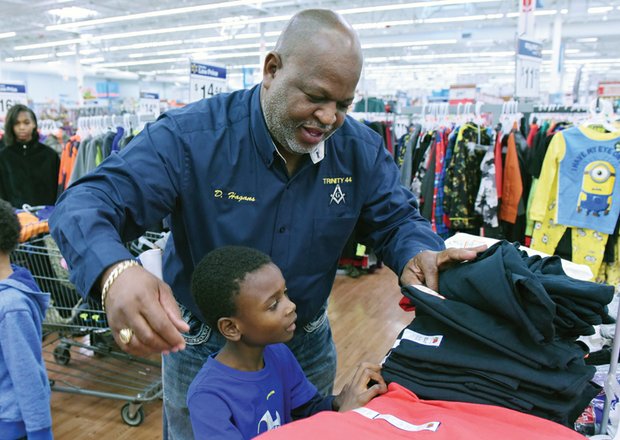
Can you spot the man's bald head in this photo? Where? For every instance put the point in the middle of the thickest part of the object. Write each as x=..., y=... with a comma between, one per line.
x=313, y=31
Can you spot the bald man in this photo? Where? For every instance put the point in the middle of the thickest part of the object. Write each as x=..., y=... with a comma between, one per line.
x=280, y=168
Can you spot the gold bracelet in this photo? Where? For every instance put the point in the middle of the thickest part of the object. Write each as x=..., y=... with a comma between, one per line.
x=119, y=269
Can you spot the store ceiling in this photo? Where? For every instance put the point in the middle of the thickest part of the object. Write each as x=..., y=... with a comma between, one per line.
x=402, y=40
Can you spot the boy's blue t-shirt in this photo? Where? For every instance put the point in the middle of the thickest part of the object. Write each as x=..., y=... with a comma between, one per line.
x=225, y=403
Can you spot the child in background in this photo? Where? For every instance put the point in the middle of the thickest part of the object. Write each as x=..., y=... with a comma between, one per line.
x=254, y=383
x=24, y=388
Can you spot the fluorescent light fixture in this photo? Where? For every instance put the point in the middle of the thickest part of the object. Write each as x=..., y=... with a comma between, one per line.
x=145, y=45
x=151, y=14
x=142, y=63
x=401, y=6
x=600, y=9
x=407, y=43
x=543, y=12
x=228, y=55
x=497, y=54
x=383, y=24
x=594, y=61
x=67, y=53
x=93, y=60
x=50, y=44
x=587, y=40
x=566, y=51
x=461, y=18
x=539, y=12
x=88, y=51
x=210, y=50
x=41, y=56
x=7, y=35
x=73, y=13
x=152, y=32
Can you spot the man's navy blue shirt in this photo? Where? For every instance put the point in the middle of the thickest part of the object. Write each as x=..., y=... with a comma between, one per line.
x=211, y=167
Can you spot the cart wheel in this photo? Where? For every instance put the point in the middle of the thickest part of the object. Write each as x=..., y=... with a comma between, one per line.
x=62, y=354
x=136, y=420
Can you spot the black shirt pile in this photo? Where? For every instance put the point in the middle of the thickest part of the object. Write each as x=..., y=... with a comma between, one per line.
x=504, y=335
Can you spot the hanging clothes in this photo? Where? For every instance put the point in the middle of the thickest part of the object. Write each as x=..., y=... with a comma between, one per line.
x=578, y=188
x=463, y=177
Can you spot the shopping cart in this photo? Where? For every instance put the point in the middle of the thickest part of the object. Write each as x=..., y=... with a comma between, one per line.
x=80, y=353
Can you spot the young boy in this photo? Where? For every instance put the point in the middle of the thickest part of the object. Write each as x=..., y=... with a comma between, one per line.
x=254, y=383
x=24, y=388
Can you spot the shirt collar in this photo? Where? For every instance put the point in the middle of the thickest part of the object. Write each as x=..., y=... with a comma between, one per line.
x=262, y=138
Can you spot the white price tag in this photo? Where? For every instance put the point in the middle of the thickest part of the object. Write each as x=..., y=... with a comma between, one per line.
x=149, y=104
x=11, y=94
x=205, y=81
x=529, y=60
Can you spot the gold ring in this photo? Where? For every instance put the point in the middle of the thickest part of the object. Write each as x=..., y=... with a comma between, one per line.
x=125, y=335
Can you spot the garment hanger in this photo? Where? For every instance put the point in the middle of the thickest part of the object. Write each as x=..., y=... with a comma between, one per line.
x=601, y=113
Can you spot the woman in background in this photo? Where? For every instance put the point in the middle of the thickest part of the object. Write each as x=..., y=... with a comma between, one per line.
x=28, y=168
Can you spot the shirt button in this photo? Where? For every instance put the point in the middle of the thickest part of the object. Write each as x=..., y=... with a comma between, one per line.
x=282, y=229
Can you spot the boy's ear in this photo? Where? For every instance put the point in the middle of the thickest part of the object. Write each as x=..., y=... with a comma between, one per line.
x=229, y=329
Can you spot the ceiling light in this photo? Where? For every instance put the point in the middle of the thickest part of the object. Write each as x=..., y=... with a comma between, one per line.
x=41, y=56
x=497, y=54
x=145, y=45
x=587, y=40
x=92, y=60
x=50, y=44
x=461, y=18
x=407, y=43
x=72, y=13
x=7, y=34
x=383, y=24
x=141, y=63
x=67, y=53
x=599, y=9
x=151, y=14
x=566, y=51
x=401, y=6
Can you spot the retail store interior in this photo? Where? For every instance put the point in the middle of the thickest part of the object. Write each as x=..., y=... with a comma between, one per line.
x=478, y=102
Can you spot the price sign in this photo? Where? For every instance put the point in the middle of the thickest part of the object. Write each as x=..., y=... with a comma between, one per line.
x=529, y=59
x=205, y=81
x=11, y=94
x=149, y=104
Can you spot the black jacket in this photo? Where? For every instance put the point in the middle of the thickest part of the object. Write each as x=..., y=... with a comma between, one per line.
x=29, y=174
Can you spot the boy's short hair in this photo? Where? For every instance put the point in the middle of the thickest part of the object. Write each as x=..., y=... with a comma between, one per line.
x=9, y=228
x=216, y=279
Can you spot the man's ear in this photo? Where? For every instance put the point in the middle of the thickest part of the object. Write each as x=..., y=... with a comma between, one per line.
x=273, y=63
x=229, y=329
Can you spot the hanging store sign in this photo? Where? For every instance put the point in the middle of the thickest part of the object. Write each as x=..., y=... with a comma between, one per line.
x=205, y=81
x=149, y=104
x=526, y=17
x=462, y=93
x=11, y=94
x=529, y=60
x=608, y=89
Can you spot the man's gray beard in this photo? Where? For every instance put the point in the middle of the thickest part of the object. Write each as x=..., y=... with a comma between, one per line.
x=281, y=133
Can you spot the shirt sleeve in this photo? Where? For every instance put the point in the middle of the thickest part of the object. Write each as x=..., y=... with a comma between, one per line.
x=317, y=404
x=548, y=175
x=20, y=359
x=391, y=222
x=128, y=193
x=211, y=418
x=301, y=389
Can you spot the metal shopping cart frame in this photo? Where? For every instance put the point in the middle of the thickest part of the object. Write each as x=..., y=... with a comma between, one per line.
x=80, y=353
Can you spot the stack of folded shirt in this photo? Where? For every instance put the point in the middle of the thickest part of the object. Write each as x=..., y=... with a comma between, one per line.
x=504, y=335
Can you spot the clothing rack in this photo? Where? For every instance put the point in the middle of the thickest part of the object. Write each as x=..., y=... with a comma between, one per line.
x=102, y=123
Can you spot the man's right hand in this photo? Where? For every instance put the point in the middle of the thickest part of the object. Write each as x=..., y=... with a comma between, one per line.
x=140, y=301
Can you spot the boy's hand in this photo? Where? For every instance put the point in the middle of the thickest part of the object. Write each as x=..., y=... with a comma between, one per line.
x=357, y=393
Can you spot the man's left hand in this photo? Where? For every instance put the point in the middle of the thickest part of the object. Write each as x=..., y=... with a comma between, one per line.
x=424, y=268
